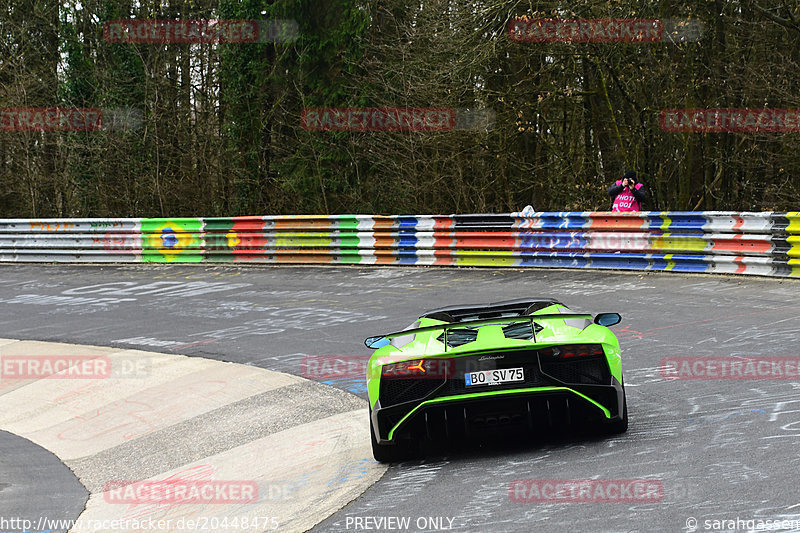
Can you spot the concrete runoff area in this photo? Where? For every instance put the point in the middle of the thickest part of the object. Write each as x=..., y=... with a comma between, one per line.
x=243, y=444
x=715, y=449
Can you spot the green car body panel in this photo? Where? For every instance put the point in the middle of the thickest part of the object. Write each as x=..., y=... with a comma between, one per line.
x=425, y=340
x=557, y=332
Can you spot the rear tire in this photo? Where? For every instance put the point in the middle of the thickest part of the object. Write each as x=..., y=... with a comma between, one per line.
x=620, y=426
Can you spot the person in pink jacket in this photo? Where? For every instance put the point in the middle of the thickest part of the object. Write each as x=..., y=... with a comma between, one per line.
x=627, y=193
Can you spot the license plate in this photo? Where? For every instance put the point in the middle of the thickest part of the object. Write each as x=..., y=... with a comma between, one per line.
x=494, y=377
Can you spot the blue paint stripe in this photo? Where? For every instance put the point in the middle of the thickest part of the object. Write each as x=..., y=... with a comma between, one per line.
x=407, y=222
x=552, y=240
x=405, y=239
x=564, y=262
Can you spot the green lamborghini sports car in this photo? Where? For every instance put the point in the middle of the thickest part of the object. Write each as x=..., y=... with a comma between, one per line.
x=467, y=372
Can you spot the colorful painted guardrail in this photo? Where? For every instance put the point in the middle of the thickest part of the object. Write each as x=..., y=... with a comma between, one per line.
x=766, y=244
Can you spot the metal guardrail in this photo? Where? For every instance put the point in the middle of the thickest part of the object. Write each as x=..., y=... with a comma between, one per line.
x=765, y=244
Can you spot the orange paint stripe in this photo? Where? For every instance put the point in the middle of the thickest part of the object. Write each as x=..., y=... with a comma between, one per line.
x=384, y=242
x=742, y=246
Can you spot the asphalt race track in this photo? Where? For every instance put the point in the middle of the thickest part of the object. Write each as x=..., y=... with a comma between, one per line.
x=717, y=449
x=33, y=482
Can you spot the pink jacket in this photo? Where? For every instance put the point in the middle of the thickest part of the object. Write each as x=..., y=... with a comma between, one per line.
x=626, y=201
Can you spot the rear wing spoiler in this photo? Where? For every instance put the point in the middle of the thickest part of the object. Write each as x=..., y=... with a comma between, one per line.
x=371, y=342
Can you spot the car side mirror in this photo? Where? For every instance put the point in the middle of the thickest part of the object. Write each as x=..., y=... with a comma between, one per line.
x=376, y=342
x=608, y=319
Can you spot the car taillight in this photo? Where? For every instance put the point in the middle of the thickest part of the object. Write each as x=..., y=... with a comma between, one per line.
x=572, y=351
x=418, y=368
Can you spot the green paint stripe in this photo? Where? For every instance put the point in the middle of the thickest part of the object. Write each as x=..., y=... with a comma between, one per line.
x=150, y=225
x=221, y=224
x=219, y=257
x=346, y=222
x=451, y=399
x=157, y=257
x=349, y=259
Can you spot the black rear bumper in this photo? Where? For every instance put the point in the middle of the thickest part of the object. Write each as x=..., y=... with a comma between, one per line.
x=555, y=391
x=535, y=412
